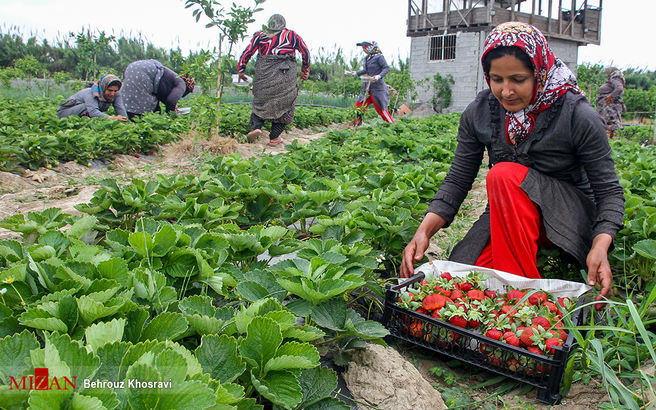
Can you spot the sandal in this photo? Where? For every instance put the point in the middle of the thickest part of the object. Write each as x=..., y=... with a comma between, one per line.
x=276, y=141
x=253, y=135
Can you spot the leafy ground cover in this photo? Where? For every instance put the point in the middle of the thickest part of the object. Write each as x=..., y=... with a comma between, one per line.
x=32, y=136
x=234, y=280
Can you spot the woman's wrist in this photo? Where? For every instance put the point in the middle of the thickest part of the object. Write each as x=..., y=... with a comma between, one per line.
x=602, y=242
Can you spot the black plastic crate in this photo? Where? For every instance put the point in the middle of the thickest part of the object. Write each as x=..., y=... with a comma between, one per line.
x=543, y=372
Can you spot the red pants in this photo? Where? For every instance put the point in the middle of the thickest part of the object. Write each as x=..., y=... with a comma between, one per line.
x=385, y=115
x=515, y=223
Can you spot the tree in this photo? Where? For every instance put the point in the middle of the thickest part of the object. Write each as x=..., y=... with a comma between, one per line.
x=232, y=26
x=88, y=48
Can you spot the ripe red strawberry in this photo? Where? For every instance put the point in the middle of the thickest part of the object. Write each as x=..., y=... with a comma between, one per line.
x=445, y=292
x=535, y=349
x=476, y=294
x=562, y=335
x=553, y=308
x=458, y=321
x=434, y=301
x=416, y=328
x=465, y=286
x=490, y=293
x=509, y=310
x=511, y=338
x=494, y=334
x=475, y=318
x=541, y=321
x=446, y=275
x=515, y=294
x=436, y=313
x=537, y=298
x=137, y=155
x=422, y=311
x=456, y=294
x=527, y=336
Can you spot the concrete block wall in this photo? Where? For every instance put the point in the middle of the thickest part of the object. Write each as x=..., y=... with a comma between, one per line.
x=465, y=68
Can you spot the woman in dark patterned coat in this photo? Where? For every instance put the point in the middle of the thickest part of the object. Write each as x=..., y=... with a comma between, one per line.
x=552, y=179
x=275, y=87
x=610, y=103
x=376, y=93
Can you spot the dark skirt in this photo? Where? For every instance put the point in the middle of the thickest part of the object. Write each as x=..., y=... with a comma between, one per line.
x=275, y=88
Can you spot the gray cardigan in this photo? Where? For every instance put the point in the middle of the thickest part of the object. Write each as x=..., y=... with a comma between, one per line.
x=571, y=173
x=83, y=102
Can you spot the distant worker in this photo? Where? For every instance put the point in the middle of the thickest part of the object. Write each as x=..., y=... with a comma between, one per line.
x=275, y=87
x=149, y=82
x=610, y=103
x=95, y=100
x=375, y=90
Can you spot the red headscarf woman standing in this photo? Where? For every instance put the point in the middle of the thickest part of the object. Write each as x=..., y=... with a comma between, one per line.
x=552, y=179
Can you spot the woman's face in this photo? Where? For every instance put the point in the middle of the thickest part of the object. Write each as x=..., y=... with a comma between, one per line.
x=511, y=82
x=110, y=92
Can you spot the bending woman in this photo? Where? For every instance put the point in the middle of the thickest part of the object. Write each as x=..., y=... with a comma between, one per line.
x=552, y=179
x=95, y=100
x=148, y=82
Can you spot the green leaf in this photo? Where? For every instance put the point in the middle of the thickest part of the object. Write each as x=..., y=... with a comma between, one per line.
x=15, y=355
x=205, y=325
x=293, y=355
x=193, y=365
x=81, y=226
x=303, y=333
x=116, y=269
x=281, y=388
x=82, y=402
x=40, y=319
x=646, y=248
x=330, y=314
x=100, y=334
x=317, y=383
x=165, y=326
x=67, y=311
x=143, y=398
x=262, y=340
x=164, y=241
x=111, y=355
x=218, y=356
x=90, y=309
x=142, y=242
x=82, y=364
x=187, y=395
x=251, y=291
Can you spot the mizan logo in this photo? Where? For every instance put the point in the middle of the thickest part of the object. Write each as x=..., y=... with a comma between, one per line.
x=41, y=381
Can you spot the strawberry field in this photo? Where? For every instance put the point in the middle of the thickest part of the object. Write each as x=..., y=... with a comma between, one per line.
x=229, y=286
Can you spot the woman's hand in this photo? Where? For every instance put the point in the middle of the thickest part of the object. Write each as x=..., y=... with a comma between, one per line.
x=305, y=75
x=121, y=118
x=242, y=77
x=609, y=99
x=414, y=251
x=598, y=266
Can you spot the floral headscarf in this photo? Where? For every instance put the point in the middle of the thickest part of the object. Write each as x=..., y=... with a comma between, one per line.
x=190, y=83
x=614, y=72
x=370, y=47
x=552, y=77
x=105, y=81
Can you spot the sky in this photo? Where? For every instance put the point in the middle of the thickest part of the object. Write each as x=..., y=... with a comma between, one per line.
x=325, y=25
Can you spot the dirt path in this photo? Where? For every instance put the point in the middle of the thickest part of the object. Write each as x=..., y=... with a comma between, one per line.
x=70, y=183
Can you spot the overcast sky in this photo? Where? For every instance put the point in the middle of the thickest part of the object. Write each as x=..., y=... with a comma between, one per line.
x=626, y=39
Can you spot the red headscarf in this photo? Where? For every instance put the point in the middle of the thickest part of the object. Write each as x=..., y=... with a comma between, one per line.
x=552, y=77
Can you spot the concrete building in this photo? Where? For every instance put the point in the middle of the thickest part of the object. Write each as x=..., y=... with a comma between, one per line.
x=447, y=38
